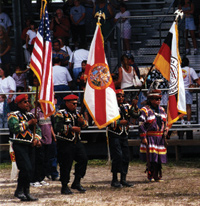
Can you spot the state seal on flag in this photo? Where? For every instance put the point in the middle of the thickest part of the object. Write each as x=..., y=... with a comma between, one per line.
x=99, y=76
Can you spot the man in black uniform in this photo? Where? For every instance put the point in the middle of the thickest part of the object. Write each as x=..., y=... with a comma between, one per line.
x=68, y=124
x=21, y=124
x=118, y=137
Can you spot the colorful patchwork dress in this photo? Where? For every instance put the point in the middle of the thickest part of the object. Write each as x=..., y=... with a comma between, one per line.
x=151, y=126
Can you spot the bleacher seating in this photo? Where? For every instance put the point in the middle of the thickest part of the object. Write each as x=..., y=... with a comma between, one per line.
x=145, y=41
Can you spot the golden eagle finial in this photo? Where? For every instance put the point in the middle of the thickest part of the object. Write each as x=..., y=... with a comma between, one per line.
x=178, y=13
x=100, y=14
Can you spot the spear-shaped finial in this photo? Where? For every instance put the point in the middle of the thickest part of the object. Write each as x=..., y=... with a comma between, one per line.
x=100, y=14
x=178, y=13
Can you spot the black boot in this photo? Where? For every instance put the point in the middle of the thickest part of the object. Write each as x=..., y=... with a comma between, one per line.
x=115, y=182
x=155, y=171
x=65, y=190
x=77, y=185
x=28, y=195
x=124, y=182
x=19, y=193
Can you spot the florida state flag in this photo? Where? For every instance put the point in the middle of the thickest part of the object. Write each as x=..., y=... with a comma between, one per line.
x=168, y=63
x=99, y=97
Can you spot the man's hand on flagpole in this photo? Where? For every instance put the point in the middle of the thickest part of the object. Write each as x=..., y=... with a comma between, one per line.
x=32, y=122
x=123, y=122
x=134, y=102
x=76, y=129
x=80, y=120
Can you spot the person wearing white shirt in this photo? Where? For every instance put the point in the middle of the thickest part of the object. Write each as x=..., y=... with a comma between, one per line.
x=5, y=20
x=124, y=25
x=189, y=76
x=7, y=84
x=61, y=79
x=63, y=46
x=75, y=61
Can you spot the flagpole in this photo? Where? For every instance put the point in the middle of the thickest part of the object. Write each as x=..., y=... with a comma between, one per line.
x=36, y=97
x=108, y=148
x=151, y=68
x=99, y=15
x=36, y=104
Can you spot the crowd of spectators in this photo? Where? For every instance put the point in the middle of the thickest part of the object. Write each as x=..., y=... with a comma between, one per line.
x=70, y=50
x=68, y=74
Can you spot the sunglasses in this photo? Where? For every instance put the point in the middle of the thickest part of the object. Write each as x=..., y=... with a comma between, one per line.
x=157, y=98
x=120, y=95
x=74, y=103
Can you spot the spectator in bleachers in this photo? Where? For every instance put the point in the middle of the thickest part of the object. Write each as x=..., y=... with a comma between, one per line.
x=197, y=15
x=76, y=59
x=33, y=89
x=67, y=6
x=132, y=63
x=26, y=28
x=81, y=79
x=107, y=9
x=20, y=79
x=124, y=26
x=61, y=79
x=7, y=85
x=30, y=37
x=3, y=111
x=189, y=75
x=5, y=46
x=188, y=8
x=5, y=20
x=23, y=37
x=59, y=53
x=63, y=46
x=60, y=25
x=89, y=20
x=77, y=16
x=126, y=74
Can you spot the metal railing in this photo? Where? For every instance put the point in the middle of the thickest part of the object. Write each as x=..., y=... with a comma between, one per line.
x=195, y=105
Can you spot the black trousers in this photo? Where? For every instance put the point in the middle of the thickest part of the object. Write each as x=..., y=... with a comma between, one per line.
x=40, y=163
x=67, y=152
x=23, y=155
x=53, y=160
x=119, y=152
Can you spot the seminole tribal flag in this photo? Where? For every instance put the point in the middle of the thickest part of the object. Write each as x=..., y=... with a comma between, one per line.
x=41, y=64
x=99, y=97
x=168, y=62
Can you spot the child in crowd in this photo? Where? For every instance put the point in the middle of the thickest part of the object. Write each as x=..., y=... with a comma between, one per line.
x=31, y=35
x=81, y=80
x=20, y=79
x=3, y=111
x=33, y=89
x=23, y=38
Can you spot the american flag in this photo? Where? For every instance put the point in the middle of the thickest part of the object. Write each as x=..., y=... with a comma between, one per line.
x=41, y=64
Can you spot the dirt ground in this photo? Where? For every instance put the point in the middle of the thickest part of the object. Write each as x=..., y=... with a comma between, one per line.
x=181, y=187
